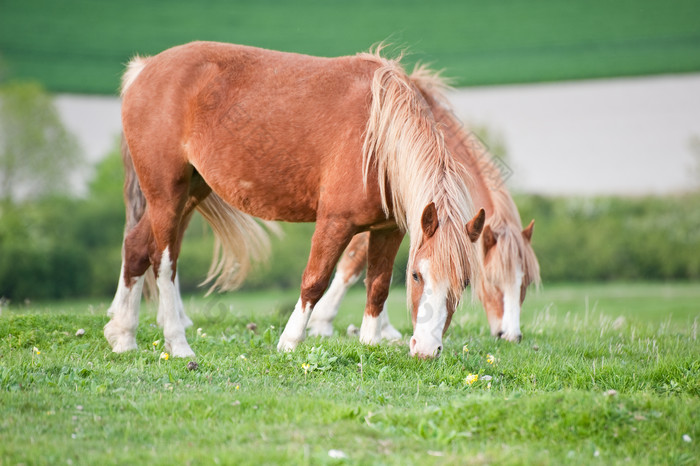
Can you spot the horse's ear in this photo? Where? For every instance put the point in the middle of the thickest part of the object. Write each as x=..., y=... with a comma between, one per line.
x=489, y=238
x=475, y=225
x=429, y=220
x=527, y=232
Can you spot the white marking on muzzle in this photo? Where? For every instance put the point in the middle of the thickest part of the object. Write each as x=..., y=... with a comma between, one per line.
x=510, y=327
x=431, y=317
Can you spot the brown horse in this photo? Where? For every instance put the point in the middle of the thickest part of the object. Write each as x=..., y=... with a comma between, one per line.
x=509, y=264
x=349, y=143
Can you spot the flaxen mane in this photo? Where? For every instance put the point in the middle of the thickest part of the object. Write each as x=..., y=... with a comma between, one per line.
x=407, y=148
x=505, y=220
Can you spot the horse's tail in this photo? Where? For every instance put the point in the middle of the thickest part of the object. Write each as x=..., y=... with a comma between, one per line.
x=240, y=240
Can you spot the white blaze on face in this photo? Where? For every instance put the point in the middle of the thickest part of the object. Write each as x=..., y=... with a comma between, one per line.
x=511, y=308
x=431, y=316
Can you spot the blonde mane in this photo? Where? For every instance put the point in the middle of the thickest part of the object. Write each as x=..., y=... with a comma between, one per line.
x=504, y=220
x=406, y=147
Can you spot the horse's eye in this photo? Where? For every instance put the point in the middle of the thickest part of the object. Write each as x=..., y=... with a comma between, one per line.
x=415, y=276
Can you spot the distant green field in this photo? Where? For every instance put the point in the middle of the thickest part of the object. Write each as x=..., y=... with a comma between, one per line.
x=80, y=46
x=606, y=374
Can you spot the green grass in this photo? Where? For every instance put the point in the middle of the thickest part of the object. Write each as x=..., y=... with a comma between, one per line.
x=80, y=46
x=545, y=403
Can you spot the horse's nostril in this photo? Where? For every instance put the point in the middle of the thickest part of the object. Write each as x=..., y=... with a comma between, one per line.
x=438, y=351
x=500, y=334
x=520, y=338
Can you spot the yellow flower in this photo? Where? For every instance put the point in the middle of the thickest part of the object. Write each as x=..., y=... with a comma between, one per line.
x=36, y=350
x=306, y=367
x=490, y=359
x=465, y=349
x=164, y=355
x=238, y=386
x=156, y=343
x=471, y=378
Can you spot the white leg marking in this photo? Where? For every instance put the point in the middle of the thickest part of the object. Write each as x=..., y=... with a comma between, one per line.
x=120, y=331
x=173, y=328
x=293, y=333
x=432, y=315
x=186, y=321
x=321, y=321
x=511, y=309
x=371, y=330
x=388, y=331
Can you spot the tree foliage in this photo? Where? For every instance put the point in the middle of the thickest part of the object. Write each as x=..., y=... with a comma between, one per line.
x=37, y=153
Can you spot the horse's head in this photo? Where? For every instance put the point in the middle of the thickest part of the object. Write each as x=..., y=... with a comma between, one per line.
x=509, y=268
x=439, y=272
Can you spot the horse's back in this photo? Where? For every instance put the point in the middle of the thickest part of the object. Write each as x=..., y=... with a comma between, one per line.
x=283, y=121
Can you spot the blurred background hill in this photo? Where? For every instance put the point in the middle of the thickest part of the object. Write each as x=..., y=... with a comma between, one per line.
x=80, y=46
x=54, y=244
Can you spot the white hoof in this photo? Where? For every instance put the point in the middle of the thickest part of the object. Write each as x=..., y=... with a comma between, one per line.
x=370, y=333
x=119, y=339
x=389, y=333
x=515, y=337
x=287, y=344
x=320, y=329
x=179, y=348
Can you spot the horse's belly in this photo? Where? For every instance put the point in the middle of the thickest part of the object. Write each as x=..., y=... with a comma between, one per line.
x=268, y=200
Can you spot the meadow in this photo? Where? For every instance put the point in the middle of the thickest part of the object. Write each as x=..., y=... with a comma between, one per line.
x=78, y=46
x=606, y=374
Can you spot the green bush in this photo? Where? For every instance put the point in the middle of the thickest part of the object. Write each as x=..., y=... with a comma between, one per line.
x=614, y=238
x=61, y=247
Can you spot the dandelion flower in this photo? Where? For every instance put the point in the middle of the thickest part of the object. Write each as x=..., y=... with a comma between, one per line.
x=490, y=359
x=36, y=350
x=164, y=355
x=465, y=349
x=238, y=386
x=306, y=367
x=471, y=378
x=156, y=343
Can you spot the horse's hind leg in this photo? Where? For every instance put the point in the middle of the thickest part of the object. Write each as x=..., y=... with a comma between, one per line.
x=120, y=331
x=198, y=191
x=348, y=272
x=172, y=196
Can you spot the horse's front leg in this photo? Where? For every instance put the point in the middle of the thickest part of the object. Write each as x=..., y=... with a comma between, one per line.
x=383, y=246
x=328, y=241
x=349, y=269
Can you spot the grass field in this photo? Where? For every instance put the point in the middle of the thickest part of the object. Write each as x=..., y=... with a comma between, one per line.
x=80, y=46
x=68, y=400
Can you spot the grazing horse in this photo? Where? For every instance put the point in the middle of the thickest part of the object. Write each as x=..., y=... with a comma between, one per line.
x=509, y=262
x=349, y=143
